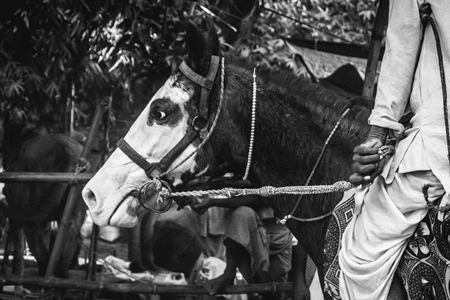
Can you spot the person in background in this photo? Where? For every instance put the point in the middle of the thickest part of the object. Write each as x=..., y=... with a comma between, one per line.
x=255, y=244
x=389, y=206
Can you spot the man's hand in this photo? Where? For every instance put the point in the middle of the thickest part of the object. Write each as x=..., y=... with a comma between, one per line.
x=201, y=204
x=368, y=163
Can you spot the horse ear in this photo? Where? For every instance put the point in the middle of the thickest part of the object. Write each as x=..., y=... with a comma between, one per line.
x=201, y=47
x=196, y=45
x=212, y=40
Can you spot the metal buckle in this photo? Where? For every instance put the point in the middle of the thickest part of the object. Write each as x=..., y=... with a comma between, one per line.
x=199, y=123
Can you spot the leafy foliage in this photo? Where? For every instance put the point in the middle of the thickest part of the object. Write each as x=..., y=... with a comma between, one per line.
x=347, y=21
x=56, y=52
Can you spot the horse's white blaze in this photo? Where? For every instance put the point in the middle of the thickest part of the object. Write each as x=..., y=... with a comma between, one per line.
x=107, y=194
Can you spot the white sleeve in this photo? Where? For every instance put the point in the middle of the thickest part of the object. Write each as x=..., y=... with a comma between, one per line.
x=403, y=40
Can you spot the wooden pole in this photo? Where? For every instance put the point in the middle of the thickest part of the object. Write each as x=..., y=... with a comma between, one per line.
x=378, y=30
x=6, y=253
x=72, y=197
x=143, y=288
x=92, y=265
x=90, y=272
x=45, y=177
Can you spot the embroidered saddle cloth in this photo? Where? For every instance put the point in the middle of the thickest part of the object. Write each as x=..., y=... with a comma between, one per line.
x=424, y=267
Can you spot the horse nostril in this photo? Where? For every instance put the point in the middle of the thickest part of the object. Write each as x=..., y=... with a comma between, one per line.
x=89, y=197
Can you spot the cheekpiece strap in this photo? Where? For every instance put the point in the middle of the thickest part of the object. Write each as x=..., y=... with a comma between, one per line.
x=133, y=155
x=207, y=84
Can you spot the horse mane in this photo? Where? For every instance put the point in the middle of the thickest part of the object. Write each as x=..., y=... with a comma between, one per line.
x=317, y=108
x=320, y=102
x=294, y=119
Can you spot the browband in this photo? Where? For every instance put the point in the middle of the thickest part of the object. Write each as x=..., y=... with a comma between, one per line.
x=206, y=82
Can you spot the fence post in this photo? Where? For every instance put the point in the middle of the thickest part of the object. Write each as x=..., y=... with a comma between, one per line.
x=379, y=27
x=72, y=197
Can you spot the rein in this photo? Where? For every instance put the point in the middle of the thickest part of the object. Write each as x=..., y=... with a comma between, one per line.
x=425, y=16
x=263, y=192
x=291, y=215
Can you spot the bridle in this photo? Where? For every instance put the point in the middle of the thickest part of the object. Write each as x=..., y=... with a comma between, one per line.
x=198, y=128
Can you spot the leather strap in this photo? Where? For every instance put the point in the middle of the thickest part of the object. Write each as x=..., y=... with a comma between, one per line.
x=206, y=83
x=154, y=169
x=133, y=155
x=199, y=125
x=197, y=78
x=167, y=160
x=204, y=96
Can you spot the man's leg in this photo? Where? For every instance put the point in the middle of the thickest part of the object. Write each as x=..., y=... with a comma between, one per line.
x=376, y=237
x=247, y=248
x=236, y=256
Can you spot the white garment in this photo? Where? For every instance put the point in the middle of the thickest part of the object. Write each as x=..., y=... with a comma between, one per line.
x=386, y=215
x=410, y=81
x=389, y=211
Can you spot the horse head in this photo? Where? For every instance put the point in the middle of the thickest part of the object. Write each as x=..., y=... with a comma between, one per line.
x=164, y=135
x=15, y=129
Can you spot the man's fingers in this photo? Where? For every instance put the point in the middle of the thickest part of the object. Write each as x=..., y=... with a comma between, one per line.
x=367, y=162
x=199, y=209
x=377, y=172
x=366, y=159
x=364, y=169
x=365, y=174
x=364, y=150
x=356, y=179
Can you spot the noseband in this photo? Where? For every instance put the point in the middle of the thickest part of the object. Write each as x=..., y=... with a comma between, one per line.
x=199, y=126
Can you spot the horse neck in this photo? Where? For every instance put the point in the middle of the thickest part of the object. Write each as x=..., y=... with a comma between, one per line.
x=293, y=122
x=292, y=125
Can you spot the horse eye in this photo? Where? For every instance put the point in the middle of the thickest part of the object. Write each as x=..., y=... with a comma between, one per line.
x=159, y=115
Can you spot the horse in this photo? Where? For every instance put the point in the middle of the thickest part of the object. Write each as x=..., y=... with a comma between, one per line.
x=31, y=206
x=179, y=137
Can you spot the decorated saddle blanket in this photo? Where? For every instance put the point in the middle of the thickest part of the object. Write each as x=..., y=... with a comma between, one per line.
x=425, y=265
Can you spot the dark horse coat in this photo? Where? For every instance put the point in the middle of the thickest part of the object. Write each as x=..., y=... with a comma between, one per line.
x=32, y=206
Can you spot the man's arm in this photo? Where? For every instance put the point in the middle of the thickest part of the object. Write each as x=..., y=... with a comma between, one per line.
x=403, y=40
x=201, y=205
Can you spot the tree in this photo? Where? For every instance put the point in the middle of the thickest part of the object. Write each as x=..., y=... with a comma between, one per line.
x=348, y=21
x=53, y=53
